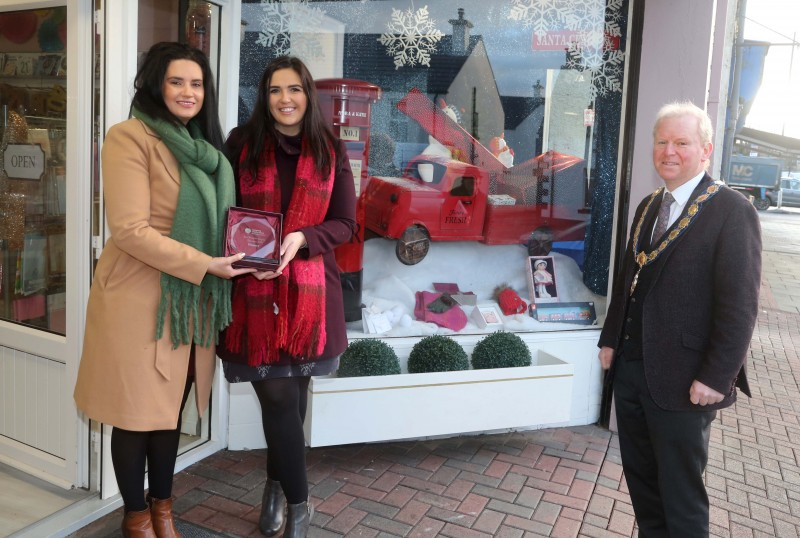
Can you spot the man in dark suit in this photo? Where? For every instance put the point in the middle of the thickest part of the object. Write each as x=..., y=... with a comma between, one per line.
x=679, y=324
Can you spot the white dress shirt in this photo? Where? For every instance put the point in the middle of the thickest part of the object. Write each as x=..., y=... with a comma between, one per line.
x=681, y=196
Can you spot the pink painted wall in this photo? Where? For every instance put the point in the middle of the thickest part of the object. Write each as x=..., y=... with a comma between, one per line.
x=683, y=57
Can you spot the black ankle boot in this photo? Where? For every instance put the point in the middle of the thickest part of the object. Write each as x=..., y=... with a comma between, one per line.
x=273, y=504
x=298, y=520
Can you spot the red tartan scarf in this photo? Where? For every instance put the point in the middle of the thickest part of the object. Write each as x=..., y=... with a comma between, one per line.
x=286, y=313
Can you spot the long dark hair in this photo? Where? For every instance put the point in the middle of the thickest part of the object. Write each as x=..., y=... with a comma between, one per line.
x=260, y=128
x=149, y=80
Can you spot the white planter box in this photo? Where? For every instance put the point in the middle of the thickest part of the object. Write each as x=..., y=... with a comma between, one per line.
x=404, y=406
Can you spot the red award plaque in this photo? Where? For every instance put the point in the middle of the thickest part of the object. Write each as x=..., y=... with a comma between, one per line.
x=257, y=234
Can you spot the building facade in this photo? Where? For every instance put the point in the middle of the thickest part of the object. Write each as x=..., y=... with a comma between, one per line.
x=484, y=138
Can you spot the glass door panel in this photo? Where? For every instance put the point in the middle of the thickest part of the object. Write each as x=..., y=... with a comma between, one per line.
x=33, y=160
x=197, y=23
x=189, y=21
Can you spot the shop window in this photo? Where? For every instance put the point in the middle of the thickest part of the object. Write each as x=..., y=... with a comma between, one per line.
x=33, y=158
x=195, y=22
x=507, y=112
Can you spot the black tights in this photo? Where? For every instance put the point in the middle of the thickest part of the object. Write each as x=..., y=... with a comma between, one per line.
x=159, y=449
x=283, y=410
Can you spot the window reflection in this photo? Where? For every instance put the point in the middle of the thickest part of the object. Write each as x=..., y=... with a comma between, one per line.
x=524, y=97
x=197, y=23
x=33, y=184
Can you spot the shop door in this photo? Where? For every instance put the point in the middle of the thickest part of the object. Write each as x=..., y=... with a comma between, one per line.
x=131, y=28
x=46, y=65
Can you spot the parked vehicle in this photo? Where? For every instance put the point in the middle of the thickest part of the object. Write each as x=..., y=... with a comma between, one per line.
x=755, y=176
x=440, y=199
x=791, y=193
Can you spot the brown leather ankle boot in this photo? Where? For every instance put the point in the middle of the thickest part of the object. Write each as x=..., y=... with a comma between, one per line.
x=161, y=514
x=137, y=525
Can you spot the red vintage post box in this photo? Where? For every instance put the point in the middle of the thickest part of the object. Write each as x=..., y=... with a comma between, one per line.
x=347, y=104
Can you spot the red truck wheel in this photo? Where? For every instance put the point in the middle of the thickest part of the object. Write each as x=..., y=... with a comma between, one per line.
x=413, y=245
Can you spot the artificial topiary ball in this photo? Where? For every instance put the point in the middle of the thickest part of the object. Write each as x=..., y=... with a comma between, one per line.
x=368, y=357
x=437, y=354
x=501, y=350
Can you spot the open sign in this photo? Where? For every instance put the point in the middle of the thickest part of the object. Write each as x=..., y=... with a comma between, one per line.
x=24, y=161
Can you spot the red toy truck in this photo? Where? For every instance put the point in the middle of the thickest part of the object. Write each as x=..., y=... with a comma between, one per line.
x=446, y=200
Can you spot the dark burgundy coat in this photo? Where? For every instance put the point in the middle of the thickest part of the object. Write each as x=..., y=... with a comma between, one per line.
x=337, y=228
x=699, y=314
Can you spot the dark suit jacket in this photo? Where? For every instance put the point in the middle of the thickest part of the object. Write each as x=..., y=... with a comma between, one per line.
x=699, y=314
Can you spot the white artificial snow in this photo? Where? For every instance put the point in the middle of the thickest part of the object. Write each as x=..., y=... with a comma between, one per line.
x=388, y=285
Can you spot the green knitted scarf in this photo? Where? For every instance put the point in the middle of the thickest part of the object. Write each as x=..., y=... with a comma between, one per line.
x=207, y=191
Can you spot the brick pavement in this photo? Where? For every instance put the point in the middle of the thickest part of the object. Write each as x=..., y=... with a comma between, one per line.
x=564, y=482
x=553, y=482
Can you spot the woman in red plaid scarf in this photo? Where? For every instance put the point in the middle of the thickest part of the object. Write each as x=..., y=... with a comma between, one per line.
x=288, y=324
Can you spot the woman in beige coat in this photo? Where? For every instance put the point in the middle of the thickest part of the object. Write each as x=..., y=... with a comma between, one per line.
x=160, y=288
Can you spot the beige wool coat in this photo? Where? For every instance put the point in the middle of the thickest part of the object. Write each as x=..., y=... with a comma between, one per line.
x=126, y=377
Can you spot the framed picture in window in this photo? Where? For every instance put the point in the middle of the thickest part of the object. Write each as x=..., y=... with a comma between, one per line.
x=487, y=315
x=542, y=279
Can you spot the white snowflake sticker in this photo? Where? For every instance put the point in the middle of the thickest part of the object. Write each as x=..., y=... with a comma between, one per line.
x=604, y=70
x=540, y=14
x=596, y=25
x=412, y=37
x=281, y=21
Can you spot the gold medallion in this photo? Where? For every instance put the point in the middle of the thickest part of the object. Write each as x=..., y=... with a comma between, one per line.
x=642, y=258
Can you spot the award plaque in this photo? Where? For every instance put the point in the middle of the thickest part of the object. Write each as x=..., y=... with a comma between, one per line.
x=257, y=234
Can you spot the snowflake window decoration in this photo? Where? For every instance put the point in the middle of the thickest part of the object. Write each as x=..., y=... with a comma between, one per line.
x=596, y=24
x=412, y=37
x=279, y=21
x=541, y=14
x=603, y=70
